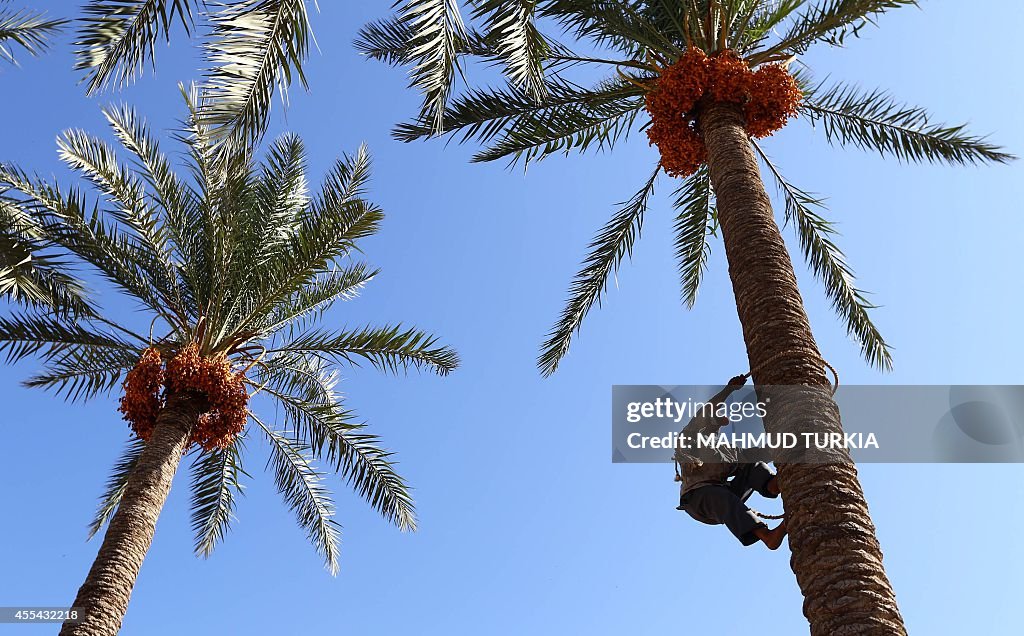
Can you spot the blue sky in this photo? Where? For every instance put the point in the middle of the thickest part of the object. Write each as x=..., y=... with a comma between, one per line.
x=526, y=526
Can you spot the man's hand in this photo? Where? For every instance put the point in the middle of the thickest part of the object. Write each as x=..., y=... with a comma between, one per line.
x=738, y=381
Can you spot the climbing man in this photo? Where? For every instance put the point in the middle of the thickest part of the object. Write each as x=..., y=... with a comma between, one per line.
x=715, y=483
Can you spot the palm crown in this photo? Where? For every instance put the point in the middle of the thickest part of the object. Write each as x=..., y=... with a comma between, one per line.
x=539, y=111
x=238, y=260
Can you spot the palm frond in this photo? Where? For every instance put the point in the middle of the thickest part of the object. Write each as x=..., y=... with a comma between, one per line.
x=301, y=486
x=116, y=483
x=612, y=244
x=829, y=265
x=597, y=123
x=309, y=302
x=257, y=46
x=434, y=48
x=483, y=114
x=694, y=224
x=314, y=410
x=517, y=42
x=215, y=483
x=23, y=335
x=83, y=372
x=65, y=222
x=328, y=230
x=178, y=202
x=392, y=40
x=829, y=21
x=98, y=162
x=30, y=274
x=610, y=23
x=876, y=121
x=28, y=29
x=761, y=21
x=117, y=37
x=390, y=348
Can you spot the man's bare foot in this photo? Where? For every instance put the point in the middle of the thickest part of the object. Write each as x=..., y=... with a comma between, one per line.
x=773, y=485
x=772, y=538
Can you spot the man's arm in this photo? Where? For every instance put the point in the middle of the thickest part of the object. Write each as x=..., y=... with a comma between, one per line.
x=701, y=422
x=734, y=384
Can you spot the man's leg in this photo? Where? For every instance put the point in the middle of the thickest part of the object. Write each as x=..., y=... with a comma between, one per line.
x=757, y=477
x=719, y=505
x=772, y=538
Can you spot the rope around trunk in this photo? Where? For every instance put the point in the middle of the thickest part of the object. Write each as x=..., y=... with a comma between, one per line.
x=785, y=354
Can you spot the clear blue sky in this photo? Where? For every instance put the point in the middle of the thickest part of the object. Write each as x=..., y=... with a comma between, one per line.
x=526, y=526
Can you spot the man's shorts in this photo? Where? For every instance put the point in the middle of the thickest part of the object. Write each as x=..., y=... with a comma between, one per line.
x=716, y=504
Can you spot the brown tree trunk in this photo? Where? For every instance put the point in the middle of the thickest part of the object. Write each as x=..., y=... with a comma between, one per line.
x=835, y=555
x=103, y=598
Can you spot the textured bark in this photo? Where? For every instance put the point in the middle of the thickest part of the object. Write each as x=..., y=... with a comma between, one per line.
x=103, y=598
x=835, y=555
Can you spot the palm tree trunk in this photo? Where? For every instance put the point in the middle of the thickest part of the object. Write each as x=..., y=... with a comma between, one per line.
x=103, y=598
x=835, y=555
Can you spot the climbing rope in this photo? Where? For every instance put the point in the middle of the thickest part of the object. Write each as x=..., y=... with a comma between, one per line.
x=764, y=516
x=785, y=354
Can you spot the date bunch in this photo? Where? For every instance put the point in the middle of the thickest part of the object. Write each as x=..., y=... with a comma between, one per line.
x=187, y=371
x=770, y=97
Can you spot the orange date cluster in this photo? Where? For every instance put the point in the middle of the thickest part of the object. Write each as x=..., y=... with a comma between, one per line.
x=187, y=371
x=770, y=97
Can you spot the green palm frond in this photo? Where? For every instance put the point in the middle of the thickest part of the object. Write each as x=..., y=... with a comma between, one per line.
x=116, y=38
x=391, y=348
x=66, y=223
x=300, y=484
x=392, y=40
x=283, y=194
x=599, y=123
x=23, y=335
x=34, y=278
x=386, y=40
x=116, y=483
x=215, y=483
x=830, y=21
x=313, y=410
x=437, y=36
x=307, y=303
x=829, y=265
x=620, y=25
x=876, y=121
x=97, y=161
x=613, y=243
x=177, y=201
x=517, y=42
x=257, y=46
x=694, y=224
x=760, y=21
x=81, y=372
x=483, y=114
x=327, y=231
x=370, y=472
x=28, y=29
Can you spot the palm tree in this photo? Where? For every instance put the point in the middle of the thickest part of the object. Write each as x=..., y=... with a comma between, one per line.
x=540, y=110
x=250, y=48
x=26, y=276
x=235, y=266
